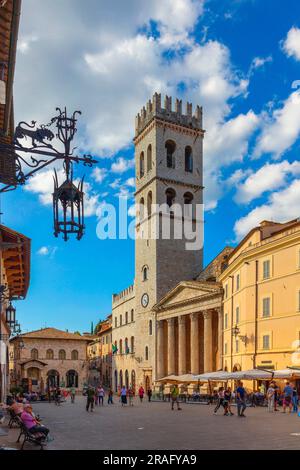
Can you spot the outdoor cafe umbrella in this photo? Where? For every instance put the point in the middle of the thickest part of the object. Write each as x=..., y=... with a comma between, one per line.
x=218, y=376
x=287, y=374
x=188, y=378
x=251, y=374
x=169, y=379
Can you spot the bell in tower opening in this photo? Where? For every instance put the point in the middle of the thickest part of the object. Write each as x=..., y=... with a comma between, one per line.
x=68, y=209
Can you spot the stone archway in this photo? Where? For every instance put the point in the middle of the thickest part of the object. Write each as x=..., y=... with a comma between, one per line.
x=72, y=378
x=52, y=379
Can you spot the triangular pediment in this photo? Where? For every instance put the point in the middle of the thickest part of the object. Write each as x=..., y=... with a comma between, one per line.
x=188, y=290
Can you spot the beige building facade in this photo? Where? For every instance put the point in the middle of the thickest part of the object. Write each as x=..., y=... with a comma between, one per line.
x=49, y=358
x=261, y=305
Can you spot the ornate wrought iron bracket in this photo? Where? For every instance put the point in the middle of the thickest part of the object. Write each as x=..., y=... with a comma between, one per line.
x=38, y=141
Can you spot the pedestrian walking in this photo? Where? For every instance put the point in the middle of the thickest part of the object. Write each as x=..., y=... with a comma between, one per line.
x=141, y=393
x=101, y=394
x=130, y=396
x=73, y=393
x=123, y=395
x=149, y=393
x=288, y=397
x=220, y=400
x=110, y=397
x=90, y=398
x=227, y=402
x=295, y=399
x=241, y=400
x=174, y=396
x=276, y=396
x=271, y=397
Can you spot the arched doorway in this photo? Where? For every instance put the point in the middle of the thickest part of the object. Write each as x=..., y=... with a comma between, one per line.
x=121, y=379
x=147, y=382
x=52, y=379
x=126, y=379
x=72, y=378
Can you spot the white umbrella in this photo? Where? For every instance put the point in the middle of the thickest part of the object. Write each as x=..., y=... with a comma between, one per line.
x=218, y=376
x=286, y=374
x=252, y=374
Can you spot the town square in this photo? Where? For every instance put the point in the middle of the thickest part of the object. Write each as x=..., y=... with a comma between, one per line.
x=149, y=227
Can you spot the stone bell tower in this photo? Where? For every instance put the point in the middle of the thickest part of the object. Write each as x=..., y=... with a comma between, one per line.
x=169, y=161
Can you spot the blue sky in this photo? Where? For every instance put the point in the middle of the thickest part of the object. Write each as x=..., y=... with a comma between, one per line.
x=238, y=59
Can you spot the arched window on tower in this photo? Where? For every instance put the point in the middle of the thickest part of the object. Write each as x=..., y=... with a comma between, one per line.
x=126, y=317
x=188, y=201
x=132, y=314
x=170, y=150
x=149, y=157
x=132, y=344
x=188, y=159
x=145, y=273
x=170, y=196
x=142, y=165
x=142, y=209
x=146, y=353
x=149, y=203
x=150, y=327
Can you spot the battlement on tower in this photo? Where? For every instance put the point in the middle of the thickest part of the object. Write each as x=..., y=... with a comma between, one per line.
x=154, y=109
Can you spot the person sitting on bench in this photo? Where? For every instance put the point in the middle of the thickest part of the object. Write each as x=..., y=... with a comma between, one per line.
x=31, y=423
x=16, y=407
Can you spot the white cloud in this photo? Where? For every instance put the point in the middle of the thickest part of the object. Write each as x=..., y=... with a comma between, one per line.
x=99, y=174
x=43, y=251
x=122, y=165
x=280, y=207
x=259, y=62
x=112, y=70
x=267, y=178
x=281, y=130
x=130, y=182
x=291, y=45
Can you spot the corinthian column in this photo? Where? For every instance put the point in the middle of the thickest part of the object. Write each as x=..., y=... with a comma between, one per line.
x=171, y=346
x=220, y=338
x=160, y=350
x=207, y=341
x=181, y=345
x=194, y=343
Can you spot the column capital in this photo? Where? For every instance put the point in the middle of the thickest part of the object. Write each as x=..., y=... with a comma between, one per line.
x=194, y=316
x=181, y=320
x=160, y=323
x=171, y=321
x=206, y=314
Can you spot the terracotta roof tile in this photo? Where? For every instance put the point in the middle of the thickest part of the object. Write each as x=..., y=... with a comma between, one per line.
x=54, y=333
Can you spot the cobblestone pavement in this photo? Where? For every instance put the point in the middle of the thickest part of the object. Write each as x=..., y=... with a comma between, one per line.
x=154, y=426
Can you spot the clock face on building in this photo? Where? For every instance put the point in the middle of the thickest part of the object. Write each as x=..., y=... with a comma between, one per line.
x=145, y=300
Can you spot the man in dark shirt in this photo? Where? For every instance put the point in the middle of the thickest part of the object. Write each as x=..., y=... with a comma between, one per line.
x=90, y=398
x=241, y=400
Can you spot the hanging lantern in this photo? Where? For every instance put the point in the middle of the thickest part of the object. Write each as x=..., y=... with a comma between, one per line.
x=68, y=209
x=10, y=315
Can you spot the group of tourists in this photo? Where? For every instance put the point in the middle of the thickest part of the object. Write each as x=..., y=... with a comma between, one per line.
x=272, y=395
x=95, y=396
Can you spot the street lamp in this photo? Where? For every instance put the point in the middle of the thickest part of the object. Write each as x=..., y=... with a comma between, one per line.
x=37, y=141
x=10, y=315
x=236, y=333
